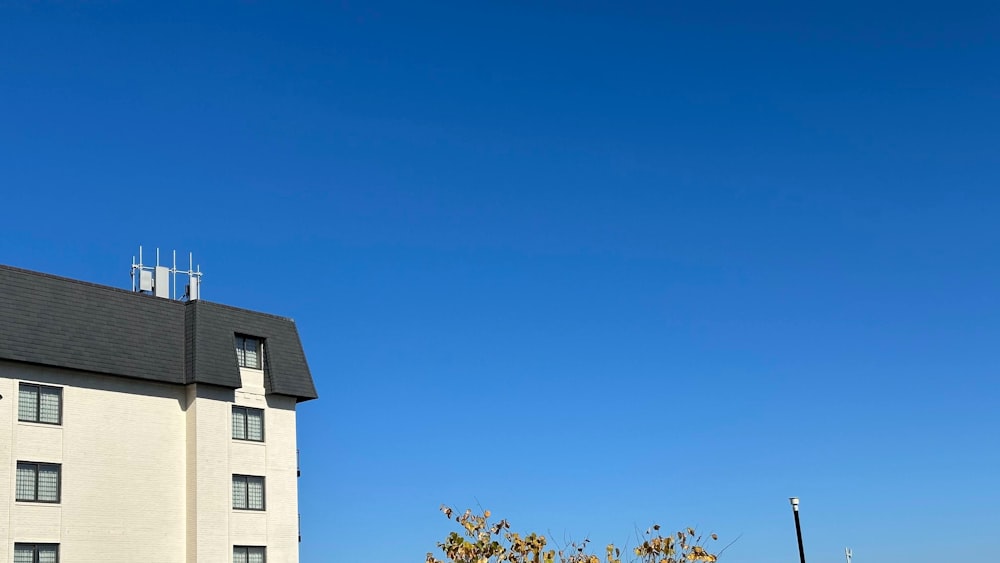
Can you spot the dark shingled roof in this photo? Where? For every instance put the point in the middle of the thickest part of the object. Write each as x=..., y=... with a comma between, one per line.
x=66, y=323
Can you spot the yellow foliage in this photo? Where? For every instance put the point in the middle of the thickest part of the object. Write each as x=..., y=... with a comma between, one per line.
x=484, y=542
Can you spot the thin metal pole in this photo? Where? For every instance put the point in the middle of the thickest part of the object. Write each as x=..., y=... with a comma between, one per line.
x=798, y=528
x=798, y=532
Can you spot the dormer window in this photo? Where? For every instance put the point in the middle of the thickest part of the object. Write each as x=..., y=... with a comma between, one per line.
x=248, y=351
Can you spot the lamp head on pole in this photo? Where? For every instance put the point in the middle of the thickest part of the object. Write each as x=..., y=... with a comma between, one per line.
x=795, y=503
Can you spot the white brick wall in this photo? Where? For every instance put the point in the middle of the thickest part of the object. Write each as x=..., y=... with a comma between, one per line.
x=147, y=470
x=121, y=446
x=282, y=481
x=8, y=416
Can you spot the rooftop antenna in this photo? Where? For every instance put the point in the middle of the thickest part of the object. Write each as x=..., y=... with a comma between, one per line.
x=159, y=279
x=849, y=553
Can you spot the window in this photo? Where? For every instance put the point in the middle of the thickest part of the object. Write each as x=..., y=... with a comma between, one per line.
x=248, y=492
x=38, y=482
x=248, y=351
x=37, y=553
x=248, y=424
x=246, y=554
x=39, y=403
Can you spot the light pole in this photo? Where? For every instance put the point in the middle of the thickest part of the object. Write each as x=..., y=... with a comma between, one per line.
x=798, y=528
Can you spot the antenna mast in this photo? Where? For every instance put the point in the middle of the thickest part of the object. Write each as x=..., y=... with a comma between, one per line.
x=159, y=279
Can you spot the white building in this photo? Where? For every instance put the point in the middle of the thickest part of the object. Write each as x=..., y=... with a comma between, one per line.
x=140, y=429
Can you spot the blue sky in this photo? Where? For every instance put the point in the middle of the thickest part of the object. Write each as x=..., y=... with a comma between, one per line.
x=588, y=264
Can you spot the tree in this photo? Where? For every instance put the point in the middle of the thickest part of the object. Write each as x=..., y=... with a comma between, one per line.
x=483, y=542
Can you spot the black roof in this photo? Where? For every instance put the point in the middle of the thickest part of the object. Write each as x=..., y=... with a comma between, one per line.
x=55, y=321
